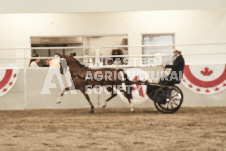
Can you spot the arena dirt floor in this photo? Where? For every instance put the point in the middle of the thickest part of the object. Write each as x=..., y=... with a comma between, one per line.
x=114, y=129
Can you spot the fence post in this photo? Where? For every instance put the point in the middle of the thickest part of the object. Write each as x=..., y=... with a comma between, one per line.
x=25, y=81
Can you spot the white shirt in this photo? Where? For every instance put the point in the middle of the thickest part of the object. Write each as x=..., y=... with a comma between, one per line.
x=33, y=64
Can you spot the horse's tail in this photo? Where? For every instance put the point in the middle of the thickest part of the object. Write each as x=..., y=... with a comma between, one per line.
x=127, y=83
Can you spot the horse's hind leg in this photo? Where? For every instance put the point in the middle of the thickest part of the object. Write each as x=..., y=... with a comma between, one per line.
x=88, y=99
x=111, y=97
x=62, y=94
x=109, y=89
x=129, y=100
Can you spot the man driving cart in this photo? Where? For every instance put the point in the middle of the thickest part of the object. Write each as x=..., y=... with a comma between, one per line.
x=176, y=73
x=161, y=92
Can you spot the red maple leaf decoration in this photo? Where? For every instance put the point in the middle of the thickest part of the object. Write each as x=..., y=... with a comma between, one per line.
x=216, y=89
x=206, y=71
x=207, y=91
x=10, y=83
x=198, y=90
x=183, y=79
x=190, y=85
x=4, y=90
x=138, y=86
x=14, y=75
x=224, y=85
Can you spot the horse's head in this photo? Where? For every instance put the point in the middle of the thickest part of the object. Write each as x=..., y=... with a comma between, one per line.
x=66, y=60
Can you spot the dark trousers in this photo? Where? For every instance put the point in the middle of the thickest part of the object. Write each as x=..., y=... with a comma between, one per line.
x=166, y=81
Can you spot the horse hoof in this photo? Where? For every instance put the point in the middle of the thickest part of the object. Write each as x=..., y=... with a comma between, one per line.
x=92, y=111
x=58, y=102
x=104, y=106
x=132, y=111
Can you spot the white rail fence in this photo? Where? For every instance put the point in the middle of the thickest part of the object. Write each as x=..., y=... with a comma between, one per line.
x=25, y=59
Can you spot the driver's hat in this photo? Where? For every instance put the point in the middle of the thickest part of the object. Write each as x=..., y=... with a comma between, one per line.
x=178, y=50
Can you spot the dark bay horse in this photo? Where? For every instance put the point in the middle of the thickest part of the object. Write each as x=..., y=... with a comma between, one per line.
x=110, y=78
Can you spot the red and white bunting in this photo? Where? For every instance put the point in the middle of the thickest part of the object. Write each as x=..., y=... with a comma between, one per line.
x=205, y=79
x=8, y=78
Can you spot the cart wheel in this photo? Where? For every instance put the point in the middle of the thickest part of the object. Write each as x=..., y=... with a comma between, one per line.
x=168, y=99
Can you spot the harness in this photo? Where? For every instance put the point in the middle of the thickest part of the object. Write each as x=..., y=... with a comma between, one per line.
x=98, y=79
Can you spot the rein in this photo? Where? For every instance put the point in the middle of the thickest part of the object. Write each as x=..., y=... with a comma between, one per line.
x=78, y=76
x=102, y=80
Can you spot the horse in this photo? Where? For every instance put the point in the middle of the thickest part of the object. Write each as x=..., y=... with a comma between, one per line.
x=112, y=78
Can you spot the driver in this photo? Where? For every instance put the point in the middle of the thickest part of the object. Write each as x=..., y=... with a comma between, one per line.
x=177, y=69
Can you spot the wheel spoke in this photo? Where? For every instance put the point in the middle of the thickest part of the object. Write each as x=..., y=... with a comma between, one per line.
x=174, y=92
x=164, y=106
x=167, y=105
x=175, y=99
x=171, y=105
x=173, y=96
x=163, y=93
x=168, y=92
x=175, y=103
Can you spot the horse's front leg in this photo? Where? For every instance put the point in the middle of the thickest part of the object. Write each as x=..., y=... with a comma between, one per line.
x=88, y=99
x=62, y=94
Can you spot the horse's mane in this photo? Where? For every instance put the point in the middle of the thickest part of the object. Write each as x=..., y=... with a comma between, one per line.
x=73, y=60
